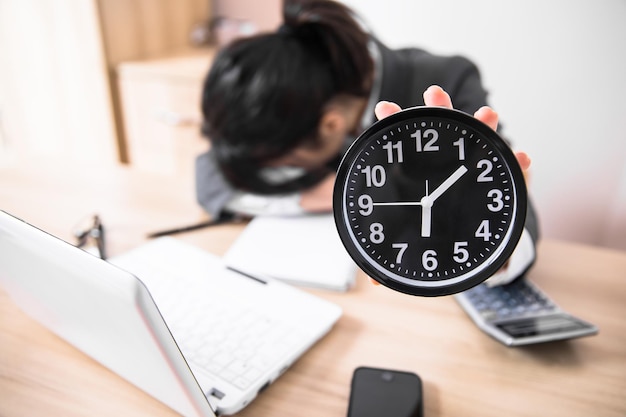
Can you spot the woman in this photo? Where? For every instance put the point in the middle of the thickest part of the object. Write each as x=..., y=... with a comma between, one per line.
x=280, y=109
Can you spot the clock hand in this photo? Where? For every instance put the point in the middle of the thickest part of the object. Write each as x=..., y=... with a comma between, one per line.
x=399, y=203
x=456, y=175
x=426, y=203
x=428, y=200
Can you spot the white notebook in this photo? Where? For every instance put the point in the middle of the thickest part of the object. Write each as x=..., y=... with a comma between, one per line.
x=302, y=250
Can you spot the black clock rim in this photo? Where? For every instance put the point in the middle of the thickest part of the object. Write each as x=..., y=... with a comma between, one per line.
x=489, y=134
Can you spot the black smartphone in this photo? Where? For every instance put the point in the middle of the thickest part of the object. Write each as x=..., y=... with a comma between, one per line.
x=379, y=392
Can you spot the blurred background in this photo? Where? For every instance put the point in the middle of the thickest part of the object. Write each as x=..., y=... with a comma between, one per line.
x=118, y=81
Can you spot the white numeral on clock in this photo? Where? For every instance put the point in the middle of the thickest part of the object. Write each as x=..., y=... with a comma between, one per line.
x=389, y=146
x=366, y=204
x=429, y=260
x=376, y=233
x=461, y=144
x=375, y=175
x=483, y=231
x=402, y=248
x=486, y=166
x=460, y=253
x=429, y=134
x=496, y=196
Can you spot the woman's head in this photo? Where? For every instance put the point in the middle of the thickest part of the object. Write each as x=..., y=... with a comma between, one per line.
x=265, y=95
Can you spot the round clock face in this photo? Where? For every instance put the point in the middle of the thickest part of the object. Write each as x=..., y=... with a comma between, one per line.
x=429, y=201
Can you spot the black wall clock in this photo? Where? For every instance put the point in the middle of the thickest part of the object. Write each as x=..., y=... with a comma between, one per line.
x=430, y=201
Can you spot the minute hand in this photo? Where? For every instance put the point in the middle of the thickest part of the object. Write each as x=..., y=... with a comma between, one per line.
x=456, y=175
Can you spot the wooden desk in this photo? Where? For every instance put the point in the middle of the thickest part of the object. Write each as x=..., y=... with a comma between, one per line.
x=465, y=372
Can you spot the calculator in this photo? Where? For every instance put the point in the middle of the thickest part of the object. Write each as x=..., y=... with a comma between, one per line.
x=519, y=313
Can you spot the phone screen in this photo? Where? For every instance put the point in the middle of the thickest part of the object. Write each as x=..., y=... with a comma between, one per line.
x=379, y=392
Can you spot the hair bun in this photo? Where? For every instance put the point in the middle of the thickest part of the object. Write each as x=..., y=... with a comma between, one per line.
x=292, y=11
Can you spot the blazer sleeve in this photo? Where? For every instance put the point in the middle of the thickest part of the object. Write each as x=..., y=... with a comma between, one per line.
x=216, y=196
x=213, y=191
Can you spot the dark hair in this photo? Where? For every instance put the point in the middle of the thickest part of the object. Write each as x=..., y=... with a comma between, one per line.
x=264, y=94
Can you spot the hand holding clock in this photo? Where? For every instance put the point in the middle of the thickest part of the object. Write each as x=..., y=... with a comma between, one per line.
x=464, y=177
x=437, y=97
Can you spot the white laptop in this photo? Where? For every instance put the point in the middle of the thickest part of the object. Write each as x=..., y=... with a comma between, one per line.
x=178, y=352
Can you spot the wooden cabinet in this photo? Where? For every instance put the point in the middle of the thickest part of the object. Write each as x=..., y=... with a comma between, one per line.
x=58, y=93
x=160, y=103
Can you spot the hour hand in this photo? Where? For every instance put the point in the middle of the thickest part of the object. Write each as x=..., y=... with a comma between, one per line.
x=456, y=175
x=426, y=204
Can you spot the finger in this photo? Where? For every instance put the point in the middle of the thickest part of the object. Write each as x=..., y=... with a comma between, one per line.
x=524, y=163
x=373, y=281
x=523, y=159
x=436, y=96
x=488, y=116
x=386, y=108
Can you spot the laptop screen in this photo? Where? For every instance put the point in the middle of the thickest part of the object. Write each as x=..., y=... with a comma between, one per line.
x=102, y=310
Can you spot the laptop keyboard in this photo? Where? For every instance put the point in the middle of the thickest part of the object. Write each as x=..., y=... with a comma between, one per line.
x=237, y=346
x=223, y=335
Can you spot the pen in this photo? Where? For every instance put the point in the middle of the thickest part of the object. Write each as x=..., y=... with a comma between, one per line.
x=224, y=217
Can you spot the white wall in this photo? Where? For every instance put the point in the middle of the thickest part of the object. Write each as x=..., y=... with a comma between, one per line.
x=556, y=72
